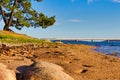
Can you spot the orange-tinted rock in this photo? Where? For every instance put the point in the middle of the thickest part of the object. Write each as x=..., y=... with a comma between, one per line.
x=6, y=74
x=45, y=71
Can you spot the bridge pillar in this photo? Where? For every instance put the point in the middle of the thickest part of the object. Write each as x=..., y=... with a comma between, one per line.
x=92, y=40
x=107, y=41
x=59, y=40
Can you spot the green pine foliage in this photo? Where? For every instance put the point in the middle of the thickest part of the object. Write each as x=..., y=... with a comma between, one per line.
x=19, y=14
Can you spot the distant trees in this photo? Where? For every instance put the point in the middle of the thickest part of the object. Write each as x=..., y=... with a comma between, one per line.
x=19, y=14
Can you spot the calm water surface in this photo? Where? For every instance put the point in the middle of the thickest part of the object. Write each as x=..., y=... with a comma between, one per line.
x=102, y=46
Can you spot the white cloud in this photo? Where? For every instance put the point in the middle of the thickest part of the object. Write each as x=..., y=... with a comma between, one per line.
x=75, y=20
x=90, y=1
x=118, y=1
x=72, y=1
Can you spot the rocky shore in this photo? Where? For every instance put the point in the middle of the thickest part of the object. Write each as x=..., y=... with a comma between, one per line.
x=57, y=62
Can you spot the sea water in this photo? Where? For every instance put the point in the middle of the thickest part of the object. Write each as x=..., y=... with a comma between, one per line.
x=107, y=47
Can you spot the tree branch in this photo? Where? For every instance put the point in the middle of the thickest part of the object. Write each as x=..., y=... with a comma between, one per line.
x=3, y=15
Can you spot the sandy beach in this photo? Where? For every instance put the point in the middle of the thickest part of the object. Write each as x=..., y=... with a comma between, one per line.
x=79, y=61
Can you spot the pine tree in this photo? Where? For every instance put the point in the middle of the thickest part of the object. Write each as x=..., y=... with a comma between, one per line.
x=19, y=14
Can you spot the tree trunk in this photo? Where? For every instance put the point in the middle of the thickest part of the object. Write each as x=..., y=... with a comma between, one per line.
x=6, y=27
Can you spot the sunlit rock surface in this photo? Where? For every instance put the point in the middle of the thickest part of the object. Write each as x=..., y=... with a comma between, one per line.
x=6, y=74
x=45, y=71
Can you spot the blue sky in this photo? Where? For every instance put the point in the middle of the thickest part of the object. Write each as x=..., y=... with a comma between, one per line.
x=78, y=19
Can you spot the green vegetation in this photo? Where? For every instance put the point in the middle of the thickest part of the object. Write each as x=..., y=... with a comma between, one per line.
x=20, y=13
x=10, y=37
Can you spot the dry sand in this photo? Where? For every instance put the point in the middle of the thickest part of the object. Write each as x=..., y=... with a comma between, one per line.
x=79, y=61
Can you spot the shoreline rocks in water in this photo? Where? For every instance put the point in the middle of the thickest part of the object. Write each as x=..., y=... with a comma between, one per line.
x=117, y=54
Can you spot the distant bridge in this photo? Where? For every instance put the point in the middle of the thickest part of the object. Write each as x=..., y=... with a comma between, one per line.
x=85, y=39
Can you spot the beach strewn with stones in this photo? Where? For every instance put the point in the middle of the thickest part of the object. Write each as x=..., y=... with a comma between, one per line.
x=57, y=62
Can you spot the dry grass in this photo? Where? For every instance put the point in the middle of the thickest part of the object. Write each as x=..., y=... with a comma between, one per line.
x=11, y=37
